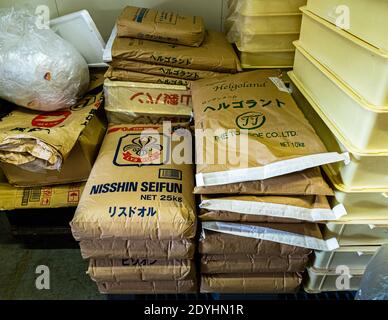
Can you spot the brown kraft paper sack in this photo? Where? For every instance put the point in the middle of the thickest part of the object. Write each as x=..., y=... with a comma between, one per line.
x=148, y=287
x=164, y=71
x=215, y=53
x=221, y=243
x=37, y=141
x=307, y=182
x=133, y=191
x=255, y=106
x=220, y=264
x=125, y=75
x=163, y=26
x=251, y=283
x=121, y=270
x=134, y=102
x=269, y=208
x=116, y=248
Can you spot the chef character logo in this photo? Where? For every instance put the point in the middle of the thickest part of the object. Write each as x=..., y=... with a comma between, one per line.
x=250, y=120
x=146, y=149
x=50, y=119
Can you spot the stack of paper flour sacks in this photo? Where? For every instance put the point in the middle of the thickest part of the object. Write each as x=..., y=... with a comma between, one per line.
x=46, y=158
x=157, y=46
x=264, y=30
x=258, y=217
x=340, y=81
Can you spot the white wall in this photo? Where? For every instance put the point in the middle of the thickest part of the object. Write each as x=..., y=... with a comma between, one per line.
x=105, y=12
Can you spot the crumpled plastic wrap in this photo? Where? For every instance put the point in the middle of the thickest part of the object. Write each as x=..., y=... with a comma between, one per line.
x=374, y=283
x=38, y=69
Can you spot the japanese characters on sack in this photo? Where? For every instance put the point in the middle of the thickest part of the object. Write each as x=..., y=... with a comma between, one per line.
x=131, y=102
x=37, y=141
x=215, y=53
x=249, y=128
x=112, y=270
x=137, y=190
x=256, y=208
x=125, y=75
x=161, y=26
x=163, y=71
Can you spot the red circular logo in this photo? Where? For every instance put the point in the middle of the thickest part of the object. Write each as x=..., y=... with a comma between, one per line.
x=50, y=119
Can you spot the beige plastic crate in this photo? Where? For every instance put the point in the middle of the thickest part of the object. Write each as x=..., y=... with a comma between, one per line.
x=354, y=257
x=255, y=7
x=267, y=23
x=265, y=42
x=360, y=65
x=348, y=234
x=368, y=18
x=365, y=172
x=362, y=208
x=319, y=281
x=267, y=59
x=364, y=126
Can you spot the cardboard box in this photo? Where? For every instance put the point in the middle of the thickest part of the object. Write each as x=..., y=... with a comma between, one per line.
x=38, y=197
x=148, y=287
x=135, y=190
x=306, y=182
x=125, y=75
x=122, y=270
x=221, y=243
x=160, y=25
x=251, y=283
x=134, y=102
x=220, y=264
x=116, y=248
x=215, y=53
x=164, y=71
x=75, y=168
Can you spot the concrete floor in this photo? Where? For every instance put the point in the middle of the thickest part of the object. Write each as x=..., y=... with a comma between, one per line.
x=18, y=263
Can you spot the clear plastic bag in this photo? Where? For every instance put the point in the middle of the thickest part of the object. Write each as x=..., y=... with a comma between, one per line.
x=38, y=69
x=374, y=283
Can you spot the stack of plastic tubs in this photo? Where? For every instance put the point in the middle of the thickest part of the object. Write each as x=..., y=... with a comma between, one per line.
x=340, y=81
x=264, y=30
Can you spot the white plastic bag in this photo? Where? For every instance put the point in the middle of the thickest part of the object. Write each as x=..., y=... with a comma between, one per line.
x=38, y=69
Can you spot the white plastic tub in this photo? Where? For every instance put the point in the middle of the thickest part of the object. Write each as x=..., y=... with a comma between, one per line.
x=354, y=257
x=365, y=172
x=348, y=234
x=367, y=18
x=264, y=42
x=360, y=65
x=364, y=126
x=267, y=23
x=254, y=7
x=320, y=281
x=267, y=59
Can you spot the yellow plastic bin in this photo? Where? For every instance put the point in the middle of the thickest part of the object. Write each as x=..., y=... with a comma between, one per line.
x=362, y=208
x=255, y=7
x=364, y=126
x=267, y=59
x=365, y=172
x=355, y=258
x=320, y=281
x=350, y=234
x=267, y=23
x=366, y=19
x=360, y=65
x=264, y=42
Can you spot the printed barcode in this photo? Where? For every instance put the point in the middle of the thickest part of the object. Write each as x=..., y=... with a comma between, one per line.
x=170, y=174
x=35, y=195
